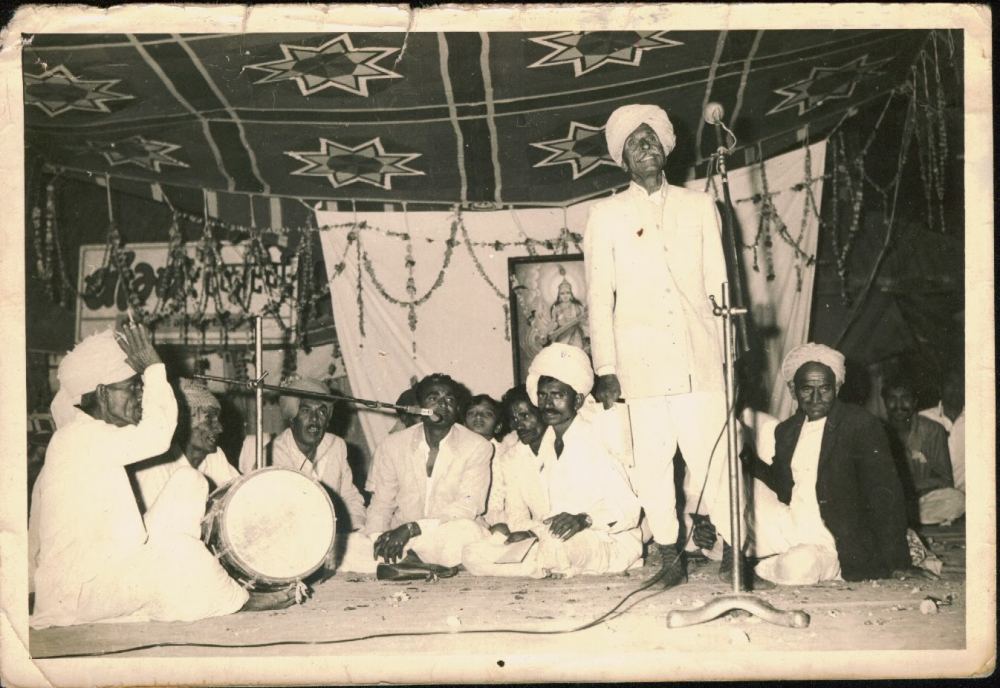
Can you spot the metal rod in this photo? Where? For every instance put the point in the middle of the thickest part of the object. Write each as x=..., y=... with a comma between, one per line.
x=742, y=343
x=291, y=391
x=258, y=326
x=731, y=449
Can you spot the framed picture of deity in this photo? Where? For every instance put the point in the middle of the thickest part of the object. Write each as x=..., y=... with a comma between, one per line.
x=548, y=303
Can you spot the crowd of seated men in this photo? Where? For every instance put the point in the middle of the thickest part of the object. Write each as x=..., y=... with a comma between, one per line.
x=535, y=485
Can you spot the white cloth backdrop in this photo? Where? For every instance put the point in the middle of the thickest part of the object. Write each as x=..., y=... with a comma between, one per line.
x=461, y=327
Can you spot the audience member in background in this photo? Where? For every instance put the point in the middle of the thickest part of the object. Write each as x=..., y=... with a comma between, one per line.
x=484, y=416
x=305, y=446
x=573, y=496
x=405, y=420
x=841, y=511
x=526, y=421
x=95, y=559
x=950, y=413
x=429, y=482
x=924, y=444
x=195, y=444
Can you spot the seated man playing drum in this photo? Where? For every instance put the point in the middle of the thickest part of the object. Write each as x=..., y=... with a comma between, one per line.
x=93, y=558
x=429, y=482
x=305, y=446
x=573, y=496
x=195, y=444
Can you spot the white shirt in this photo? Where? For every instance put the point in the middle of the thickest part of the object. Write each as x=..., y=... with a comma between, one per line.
x=956, y=441
x=809, y=528
x=584, y=479
x=154, y=475
x=85, y=517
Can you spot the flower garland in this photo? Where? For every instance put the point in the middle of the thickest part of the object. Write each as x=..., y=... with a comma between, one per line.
x=482, y=273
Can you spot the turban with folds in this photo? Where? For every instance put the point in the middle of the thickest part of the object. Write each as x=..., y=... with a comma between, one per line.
x=97, y=360
x=197, y=396
x=568, y=364
x=290, y=404
x=628, y=118
x=813, y=353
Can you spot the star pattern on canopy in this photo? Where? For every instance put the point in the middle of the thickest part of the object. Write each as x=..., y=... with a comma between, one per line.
x=137, y=150
x=582, y=149
x=826, y=83
x=57, y=91
x=590, y=50
x=336, y=63
x=343, y=165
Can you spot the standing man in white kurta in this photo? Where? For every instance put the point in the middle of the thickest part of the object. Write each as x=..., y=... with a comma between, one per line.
x=654, y=256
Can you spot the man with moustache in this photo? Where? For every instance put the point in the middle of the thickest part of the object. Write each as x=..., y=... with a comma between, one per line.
x=653, y=257
x=429, y=483
x=573, y=496
x=841, y=513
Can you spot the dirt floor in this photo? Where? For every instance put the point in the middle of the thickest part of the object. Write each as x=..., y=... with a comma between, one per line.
x=870, y=615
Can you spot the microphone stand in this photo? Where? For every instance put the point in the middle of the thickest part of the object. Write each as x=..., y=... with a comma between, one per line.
x=739, y=599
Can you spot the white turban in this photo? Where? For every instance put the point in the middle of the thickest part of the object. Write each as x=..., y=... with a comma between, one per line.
x=197, y=396
x=628, y=118
x=290, y=404
x=97, y=360
x=568, y=364
x=813, y=353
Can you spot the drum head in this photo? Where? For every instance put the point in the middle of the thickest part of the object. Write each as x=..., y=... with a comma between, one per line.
x=279, y=524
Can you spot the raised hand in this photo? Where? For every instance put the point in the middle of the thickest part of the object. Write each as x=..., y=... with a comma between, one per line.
x=134, y=340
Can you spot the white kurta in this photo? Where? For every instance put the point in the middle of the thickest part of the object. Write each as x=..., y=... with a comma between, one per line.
x=652, y=262
x=330, y=467
x=93, y=560
x=806, y=550
x=444, y=504
x=585, y=479
x=153, y=475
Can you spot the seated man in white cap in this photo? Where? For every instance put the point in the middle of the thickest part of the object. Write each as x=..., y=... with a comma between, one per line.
x=574, y=496
x=429, y=482
x=653, y=256
x=95, y=560
x=195, y=444
x=841, y=513
x=305, y=446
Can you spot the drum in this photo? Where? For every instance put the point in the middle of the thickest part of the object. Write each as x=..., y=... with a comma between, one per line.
x=270, y=528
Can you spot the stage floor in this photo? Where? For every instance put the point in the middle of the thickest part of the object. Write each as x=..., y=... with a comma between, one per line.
x=844, y=616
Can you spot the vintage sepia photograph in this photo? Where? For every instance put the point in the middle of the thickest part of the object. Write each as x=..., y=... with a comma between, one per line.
x=354, y=345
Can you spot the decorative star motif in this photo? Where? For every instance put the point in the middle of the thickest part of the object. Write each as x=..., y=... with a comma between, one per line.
x=57, y=91
x=826, y=83
x=583, y=149
x=138, y=150
x=336, y=63
x=589, y=50
x=343, y=165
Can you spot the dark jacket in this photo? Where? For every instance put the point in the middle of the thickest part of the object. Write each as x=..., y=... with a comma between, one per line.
x=860, y=496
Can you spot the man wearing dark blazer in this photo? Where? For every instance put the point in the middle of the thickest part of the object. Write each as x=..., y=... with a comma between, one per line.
x=842, y=513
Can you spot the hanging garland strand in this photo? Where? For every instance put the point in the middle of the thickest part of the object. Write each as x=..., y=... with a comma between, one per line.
x=482, y=273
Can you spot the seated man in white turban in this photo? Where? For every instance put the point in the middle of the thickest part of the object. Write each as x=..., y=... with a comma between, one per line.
x=95, y=560
x=841, y=513
x=654, y=255
x=305, y=446
x=195, y=444
x=429, y=482
x=574, y=496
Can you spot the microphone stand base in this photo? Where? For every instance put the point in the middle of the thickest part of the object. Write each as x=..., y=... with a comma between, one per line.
x=737, y=601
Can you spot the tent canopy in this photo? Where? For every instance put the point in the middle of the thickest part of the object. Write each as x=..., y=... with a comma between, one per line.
x=484, y=118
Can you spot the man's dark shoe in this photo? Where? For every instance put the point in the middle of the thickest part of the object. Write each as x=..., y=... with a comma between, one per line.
x=751, y=581
x=674, y=571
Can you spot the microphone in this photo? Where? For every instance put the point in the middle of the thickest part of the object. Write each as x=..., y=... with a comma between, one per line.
x=418, y=411
x=713, y=113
